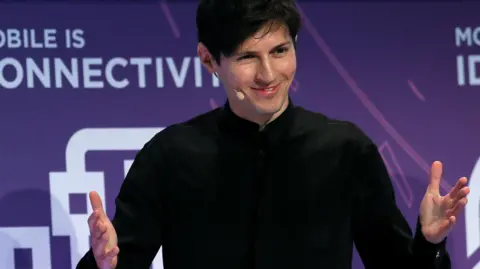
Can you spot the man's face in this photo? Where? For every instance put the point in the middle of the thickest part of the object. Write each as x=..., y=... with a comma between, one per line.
x=262, y=68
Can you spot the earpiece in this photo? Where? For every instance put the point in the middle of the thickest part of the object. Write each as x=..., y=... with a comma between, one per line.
x=240, y=95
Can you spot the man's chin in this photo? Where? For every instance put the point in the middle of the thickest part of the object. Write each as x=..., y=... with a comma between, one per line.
x=268, y=108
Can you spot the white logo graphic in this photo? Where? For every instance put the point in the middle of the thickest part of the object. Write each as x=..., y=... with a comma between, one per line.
x=467, y=70
x=472, y=214
x=74, y=180
x=35, y=238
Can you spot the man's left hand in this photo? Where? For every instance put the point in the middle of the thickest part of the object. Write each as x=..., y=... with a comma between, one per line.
x=438, y=214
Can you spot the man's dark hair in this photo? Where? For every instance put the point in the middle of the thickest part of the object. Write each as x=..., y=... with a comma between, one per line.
x=223, y=25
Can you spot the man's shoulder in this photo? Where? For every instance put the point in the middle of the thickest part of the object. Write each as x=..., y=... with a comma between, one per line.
x=205, y=123
x=189, y=132
x=330, y=128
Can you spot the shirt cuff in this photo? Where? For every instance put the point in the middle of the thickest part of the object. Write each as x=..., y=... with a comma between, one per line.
x=428, y=253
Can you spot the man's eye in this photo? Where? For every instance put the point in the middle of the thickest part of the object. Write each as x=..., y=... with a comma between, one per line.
x=281, y=50
x=245, y=57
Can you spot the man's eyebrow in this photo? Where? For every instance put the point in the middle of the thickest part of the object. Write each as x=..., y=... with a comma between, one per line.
x=254, y=52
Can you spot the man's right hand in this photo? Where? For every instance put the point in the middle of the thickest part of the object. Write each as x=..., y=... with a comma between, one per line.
x=103, y=237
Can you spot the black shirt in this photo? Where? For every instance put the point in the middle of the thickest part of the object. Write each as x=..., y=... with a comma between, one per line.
x=216, y=192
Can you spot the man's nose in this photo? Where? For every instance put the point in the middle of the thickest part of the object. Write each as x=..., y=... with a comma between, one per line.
x=265, y=73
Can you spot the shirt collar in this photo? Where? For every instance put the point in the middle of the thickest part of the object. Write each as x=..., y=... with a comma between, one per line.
x=248, y=130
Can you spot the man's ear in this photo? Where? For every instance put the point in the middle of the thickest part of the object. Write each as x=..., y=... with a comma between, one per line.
x=206, y=58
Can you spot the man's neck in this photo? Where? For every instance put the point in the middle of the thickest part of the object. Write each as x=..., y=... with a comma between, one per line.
x=261, y=119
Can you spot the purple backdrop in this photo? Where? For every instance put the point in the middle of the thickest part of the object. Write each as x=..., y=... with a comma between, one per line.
x=71, y=123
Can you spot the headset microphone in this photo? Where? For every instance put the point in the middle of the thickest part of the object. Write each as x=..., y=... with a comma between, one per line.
x=240, y=95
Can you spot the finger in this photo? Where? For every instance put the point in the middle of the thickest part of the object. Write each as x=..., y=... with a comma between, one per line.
x=105, y=253
x=112, y=253
x=97, y=230
x=460, y=205
x=464, y=191
x=461, y=194
x=97, y=206
x=95, y=201
x=452, y=221
x=110, y=256
x=455, y=191
x=100, y=246
x=447, y=224
x=100, y=229
x=435, y=176
x=92, y=220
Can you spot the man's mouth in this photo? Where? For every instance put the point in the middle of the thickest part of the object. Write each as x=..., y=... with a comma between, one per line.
x=269, y=90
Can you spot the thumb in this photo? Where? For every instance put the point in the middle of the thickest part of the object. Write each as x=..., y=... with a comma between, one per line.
x=436, y=172
x=95, y=201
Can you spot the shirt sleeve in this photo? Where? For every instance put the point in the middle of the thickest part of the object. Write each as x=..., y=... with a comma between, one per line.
x=137, y=218
x=382, y=235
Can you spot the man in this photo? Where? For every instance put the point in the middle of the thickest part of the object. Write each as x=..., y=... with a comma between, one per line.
x=262, y=183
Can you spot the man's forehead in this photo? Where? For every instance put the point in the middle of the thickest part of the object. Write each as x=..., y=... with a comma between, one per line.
x=266, y=38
